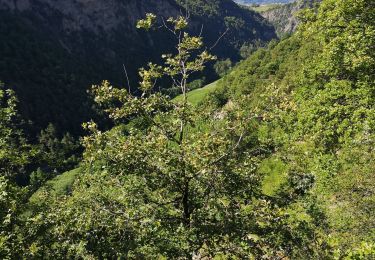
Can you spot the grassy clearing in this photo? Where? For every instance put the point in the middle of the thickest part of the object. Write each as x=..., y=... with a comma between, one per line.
x=60, y=185
x=198, y=95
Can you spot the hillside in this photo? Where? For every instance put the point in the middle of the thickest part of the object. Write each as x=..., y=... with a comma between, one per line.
x=283, y=17
x=197, y=95
x=263, y=2
x=315, y=90
x=275, y=160
x=53, y=51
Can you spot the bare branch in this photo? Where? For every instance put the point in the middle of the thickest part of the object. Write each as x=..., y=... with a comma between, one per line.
x=218, y=40
x=201, y=32
x=127, y=78
x=187, y=12
x=167, y=27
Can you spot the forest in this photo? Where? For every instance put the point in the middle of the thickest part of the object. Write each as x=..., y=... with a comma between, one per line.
x=274, y=159
x=53, y=51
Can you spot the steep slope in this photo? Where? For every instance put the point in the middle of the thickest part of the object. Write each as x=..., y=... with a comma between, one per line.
x=315, y=92
x=197, y=95
x=283, y=17
x=52, y=51
x=251, y=2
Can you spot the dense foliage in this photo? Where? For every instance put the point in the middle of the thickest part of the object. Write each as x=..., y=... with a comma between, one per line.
x=318, y=86
x=276, y=163
x=174, y=182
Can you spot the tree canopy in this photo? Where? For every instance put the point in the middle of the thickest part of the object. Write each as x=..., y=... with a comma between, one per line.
x=276, y=163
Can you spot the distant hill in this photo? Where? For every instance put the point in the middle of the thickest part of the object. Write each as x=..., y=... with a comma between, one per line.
x=53, y=51
x=263, y=2
x=283, y=17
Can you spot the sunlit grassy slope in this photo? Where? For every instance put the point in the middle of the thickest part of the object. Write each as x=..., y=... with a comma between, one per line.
x=60, y=185
x=197, y=95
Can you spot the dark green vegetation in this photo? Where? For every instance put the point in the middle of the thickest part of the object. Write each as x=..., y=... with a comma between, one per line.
x=31, y=163
x=275, y=162
x=52, y=51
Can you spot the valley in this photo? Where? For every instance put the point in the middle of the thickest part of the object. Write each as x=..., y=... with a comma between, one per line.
x=187, y=129
x=70, y=46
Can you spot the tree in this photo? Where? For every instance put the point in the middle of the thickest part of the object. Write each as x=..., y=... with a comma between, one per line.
x=248, y=48
x=57, y=155
x=222, y=67
x=14, y=151
x=170, y=180
x=15, y=154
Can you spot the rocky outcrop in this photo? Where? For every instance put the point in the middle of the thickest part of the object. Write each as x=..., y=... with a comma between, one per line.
x=284, y=17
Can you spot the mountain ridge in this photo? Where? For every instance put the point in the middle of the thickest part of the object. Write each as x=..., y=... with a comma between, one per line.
x=284, y=17
x=66, y=46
